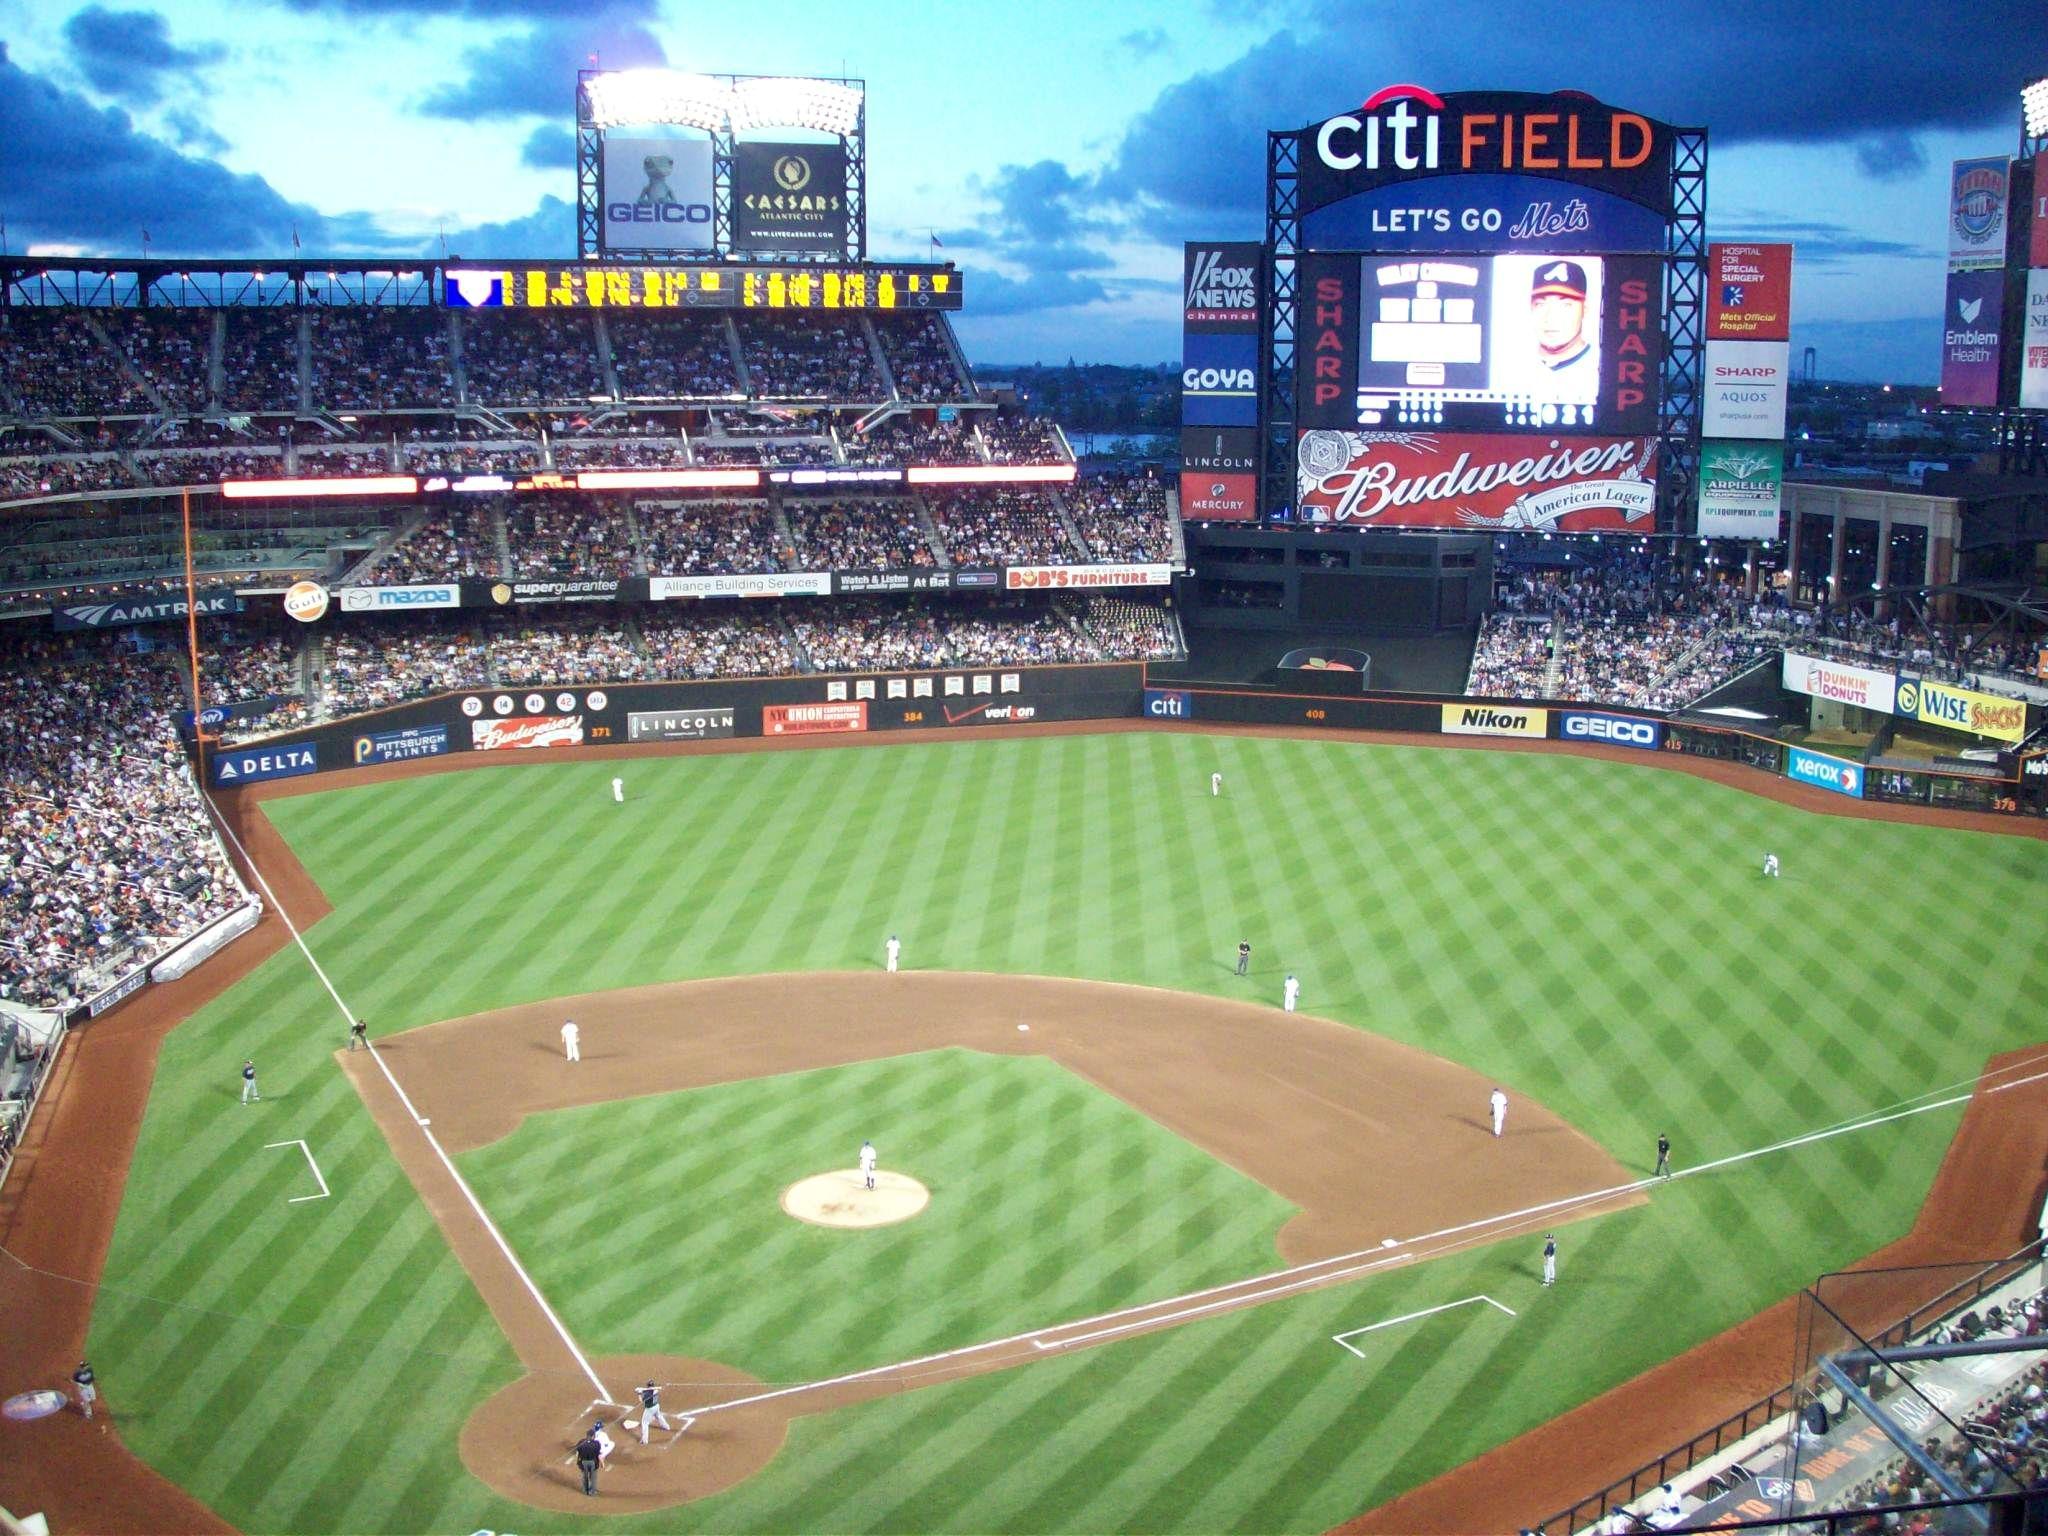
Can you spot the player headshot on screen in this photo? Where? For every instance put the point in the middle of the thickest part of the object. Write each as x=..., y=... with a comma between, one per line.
x=1566, y=365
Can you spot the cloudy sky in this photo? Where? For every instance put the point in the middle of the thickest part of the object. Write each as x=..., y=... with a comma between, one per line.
x=1060, y=150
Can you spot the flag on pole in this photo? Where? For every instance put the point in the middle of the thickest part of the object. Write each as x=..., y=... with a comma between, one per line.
x=295, y=237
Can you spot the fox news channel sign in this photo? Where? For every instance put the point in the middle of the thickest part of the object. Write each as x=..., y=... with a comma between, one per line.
x=656, y=194
x=1410, y=170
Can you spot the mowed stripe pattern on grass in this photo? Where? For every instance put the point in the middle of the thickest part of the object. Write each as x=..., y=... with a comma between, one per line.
x=1049, y=1199
x=1595, y=935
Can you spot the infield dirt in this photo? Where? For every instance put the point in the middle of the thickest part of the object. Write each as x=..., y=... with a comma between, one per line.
x=58, y=1208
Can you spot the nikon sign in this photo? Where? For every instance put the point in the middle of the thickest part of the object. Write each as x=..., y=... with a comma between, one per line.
x=1495, y=720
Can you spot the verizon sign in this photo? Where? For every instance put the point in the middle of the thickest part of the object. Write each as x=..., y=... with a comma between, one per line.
x=1475, y=480
x=1841, y=683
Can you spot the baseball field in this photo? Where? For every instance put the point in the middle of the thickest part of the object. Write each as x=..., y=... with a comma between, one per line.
x=1170, y=1273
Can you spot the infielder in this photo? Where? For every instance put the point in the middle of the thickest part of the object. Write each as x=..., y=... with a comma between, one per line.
x=1499, y=1101
x=867, y=1163
x=1663, y=1156
x=1549, y=1258
x=84, y=1380
x=572, y=1040
x=1288, y=993
x=893, y=948
x=618, y=791
x=1215, y=784
x=1771, y=865
x=1244, y=956
x=650, y=1410
x=249, y=1082
x=359, y=1035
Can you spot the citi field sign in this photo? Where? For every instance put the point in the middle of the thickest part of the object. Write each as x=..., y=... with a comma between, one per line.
x=1484, y=170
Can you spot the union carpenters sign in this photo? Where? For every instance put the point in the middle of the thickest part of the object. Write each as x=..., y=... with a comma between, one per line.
x=1471, y=480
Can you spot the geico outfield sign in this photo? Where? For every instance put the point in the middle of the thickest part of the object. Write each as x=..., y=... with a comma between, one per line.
x=1963, y=709
x=1495, y=720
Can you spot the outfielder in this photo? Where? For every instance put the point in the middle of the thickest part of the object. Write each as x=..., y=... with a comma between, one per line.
x=1771, y=865
x=249, y=1082
x=1499, y=1101
x=1663, y=1156
x=572, y=1040
x=618, y=791
x=867, y=1163
x=1288, y=993
x=893, y=948
x=650, y=1410
x=1549, y=1258
x=1244, y=956
x=1215, y=784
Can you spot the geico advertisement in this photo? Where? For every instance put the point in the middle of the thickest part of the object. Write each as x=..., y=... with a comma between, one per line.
x=657, y=194
x=1614, y=730
x=1495, y=720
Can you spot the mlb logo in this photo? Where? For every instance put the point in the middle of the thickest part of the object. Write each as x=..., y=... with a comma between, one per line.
x=1733, y=295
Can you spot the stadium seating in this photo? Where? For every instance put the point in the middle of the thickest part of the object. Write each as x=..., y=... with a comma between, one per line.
x=1000, y=526
x=1122, y=517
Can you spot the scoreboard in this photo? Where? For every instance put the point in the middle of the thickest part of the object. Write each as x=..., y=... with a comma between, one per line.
x=726, y=286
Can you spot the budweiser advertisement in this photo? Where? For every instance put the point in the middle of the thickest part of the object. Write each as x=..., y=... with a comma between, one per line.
x=1431, y=480
x=542, y=731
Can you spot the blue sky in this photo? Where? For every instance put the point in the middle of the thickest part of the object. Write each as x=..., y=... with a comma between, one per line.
x=1062, y=151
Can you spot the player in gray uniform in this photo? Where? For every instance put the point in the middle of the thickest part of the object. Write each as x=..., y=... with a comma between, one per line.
x=650, y=1410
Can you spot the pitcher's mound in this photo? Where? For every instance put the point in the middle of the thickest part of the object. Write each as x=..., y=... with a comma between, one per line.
x=842, y=1199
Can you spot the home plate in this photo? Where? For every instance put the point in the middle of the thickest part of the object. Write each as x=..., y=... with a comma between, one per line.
x=629, y=1423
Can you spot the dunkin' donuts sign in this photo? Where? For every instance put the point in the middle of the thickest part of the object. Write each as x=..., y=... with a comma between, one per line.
x=1477, y=480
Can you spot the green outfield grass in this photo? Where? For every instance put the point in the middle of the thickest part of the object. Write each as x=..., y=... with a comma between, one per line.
x=1597, y=935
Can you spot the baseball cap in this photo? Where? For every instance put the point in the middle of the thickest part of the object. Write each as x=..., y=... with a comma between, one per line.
x=1567, y=278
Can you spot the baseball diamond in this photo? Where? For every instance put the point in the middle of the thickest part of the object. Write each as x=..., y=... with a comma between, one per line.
x=1150, y=1212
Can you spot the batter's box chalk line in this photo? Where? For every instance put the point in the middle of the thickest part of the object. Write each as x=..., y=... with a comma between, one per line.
x=1344, y=1339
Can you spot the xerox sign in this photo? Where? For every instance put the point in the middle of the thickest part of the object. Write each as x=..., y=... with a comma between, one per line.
x=1823, y=772
x=1614, y=730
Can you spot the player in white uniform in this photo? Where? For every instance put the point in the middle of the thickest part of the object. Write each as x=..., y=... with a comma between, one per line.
x=867, y=1163
x=1771, y=865
x=893, y=948
x=618, y=791
x=1549, y=1258
x=1215, y=783
x=1499, y=1101
x=605, y=1443
x=1288, y=993
x=572, y=1046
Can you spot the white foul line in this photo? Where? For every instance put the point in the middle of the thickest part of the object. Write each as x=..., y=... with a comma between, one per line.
x=418, y=1119
x=1265, y=1294
x=1409, y=1317
x=295, y=1199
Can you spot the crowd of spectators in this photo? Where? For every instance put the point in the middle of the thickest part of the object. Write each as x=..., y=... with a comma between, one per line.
x=671, y=356
x=684, y=640
x=876, y=535
x=1015, y=629
x=865, y=634
x=559, y=536
x=370, y=662
x=1512, y=656
x=170, y=348
x=565, y=647
x=352, y=461
x=1972, y=655
x=1122, y=517
x=206, y=466
x=919, y=360
x=529, y=357
x=471, y=458
x=1130, y=628
x=908, y=440
x=382, y=359
x=572, y=454
x=798, y=355
x=460, y=541
x=260, y=361
x=64, y=476
x=51, y=364
x=106, y=856
x=239, y=659
x=1001, y=526
x=1014, y=438
x=709, y=538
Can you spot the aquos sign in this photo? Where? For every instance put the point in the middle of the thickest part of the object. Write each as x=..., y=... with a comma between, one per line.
x=1484, y=170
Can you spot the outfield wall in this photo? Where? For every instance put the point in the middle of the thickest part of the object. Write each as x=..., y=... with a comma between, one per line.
x=500, y=720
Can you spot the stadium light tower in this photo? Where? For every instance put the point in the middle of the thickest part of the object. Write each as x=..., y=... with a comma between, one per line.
x=2034, y=109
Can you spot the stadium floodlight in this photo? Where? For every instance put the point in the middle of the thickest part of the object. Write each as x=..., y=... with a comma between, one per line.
x=2034, y=108
x=645, y=96
x=825, y=106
